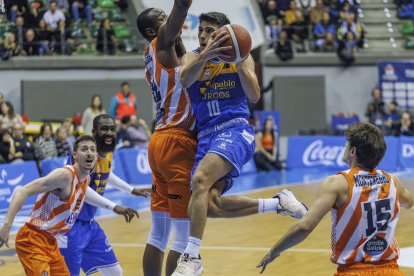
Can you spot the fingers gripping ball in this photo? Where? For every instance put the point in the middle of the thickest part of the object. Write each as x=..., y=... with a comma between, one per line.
x=240, y=41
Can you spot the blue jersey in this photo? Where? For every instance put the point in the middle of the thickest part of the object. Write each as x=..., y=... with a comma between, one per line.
x=99, y=179
x=217, y=96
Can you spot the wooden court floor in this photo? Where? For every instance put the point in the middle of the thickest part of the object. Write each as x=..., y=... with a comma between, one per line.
x=235, y=246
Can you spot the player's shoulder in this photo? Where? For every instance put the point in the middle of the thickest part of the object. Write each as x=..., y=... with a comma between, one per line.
x=336, y=182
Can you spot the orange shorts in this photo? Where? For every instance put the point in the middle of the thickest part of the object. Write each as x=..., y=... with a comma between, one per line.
x=171, y=155
x=383, y=268
x=38, y=252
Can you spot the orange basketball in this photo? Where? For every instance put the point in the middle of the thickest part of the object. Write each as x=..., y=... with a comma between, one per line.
x=239, y=39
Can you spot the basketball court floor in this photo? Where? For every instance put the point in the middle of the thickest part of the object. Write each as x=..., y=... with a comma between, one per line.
x=235, y=246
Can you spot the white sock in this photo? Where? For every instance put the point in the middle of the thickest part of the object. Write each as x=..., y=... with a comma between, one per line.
x=193, y=247
x=268, y=205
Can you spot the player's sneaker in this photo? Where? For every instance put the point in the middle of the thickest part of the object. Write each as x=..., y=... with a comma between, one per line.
x=289, y=205
x=188, y=266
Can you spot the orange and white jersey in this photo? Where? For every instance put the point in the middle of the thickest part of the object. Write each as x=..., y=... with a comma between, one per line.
x=55, y=215
x=363, y=229
x=171, y=99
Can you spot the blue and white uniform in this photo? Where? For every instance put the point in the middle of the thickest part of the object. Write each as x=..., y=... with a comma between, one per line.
x=222, y=113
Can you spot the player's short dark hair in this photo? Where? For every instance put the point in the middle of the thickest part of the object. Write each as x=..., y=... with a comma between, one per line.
x=98, y=118
x=369, y=143
x=215, y=17
x=144, y=21
x=82, y=139
x=124, y=83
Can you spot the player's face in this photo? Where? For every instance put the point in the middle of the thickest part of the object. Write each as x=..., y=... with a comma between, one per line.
x=105, y=135
x=159, y=17
x=86, y=155
x=205, y=32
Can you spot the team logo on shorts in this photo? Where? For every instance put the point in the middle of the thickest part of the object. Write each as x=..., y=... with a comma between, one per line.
x=375, y=246
x=225, y=134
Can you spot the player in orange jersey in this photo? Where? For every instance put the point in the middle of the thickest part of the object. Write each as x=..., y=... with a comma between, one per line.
x=172, y=147
x=61, y=195
x=365, y=204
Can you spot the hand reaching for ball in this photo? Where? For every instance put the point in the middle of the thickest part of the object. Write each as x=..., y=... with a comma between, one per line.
x=213, y=48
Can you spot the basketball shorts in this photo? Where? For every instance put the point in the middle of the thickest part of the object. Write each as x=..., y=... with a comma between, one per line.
x=86, y=246
x=38, y=252
x=171, y=154
x=235, y=144
x=385, y=268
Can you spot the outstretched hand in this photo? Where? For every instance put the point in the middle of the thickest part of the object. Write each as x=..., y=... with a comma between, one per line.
x=142, y=192
x=267, y=259
x=127, y=212
x=213, y=49
x=4, y=236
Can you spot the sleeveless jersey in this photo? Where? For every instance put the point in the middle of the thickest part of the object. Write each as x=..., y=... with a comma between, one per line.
x=217, y=96
x=55, y=215
x=363, y=229
x=99, y=179
x=171, y=100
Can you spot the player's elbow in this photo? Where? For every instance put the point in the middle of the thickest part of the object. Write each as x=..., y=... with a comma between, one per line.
x=254, y=98
x=304, y=226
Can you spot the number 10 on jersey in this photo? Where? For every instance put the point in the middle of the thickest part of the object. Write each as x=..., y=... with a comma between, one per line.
x=213, y=108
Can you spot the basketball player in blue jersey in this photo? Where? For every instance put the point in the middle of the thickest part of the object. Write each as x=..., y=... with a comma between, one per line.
x=218, y=92
x=86, y=245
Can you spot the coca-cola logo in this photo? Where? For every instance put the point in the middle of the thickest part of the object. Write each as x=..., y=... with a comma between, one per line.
x=319, y=154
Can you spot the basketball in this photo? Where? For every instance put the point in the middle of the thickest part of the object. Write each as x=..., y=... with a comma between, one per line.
x=239, y=39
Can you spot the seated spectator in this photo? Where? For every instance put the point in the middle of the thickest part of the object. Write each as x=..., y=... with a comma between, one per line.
x=316, y=13
x=376, y=108
x=19, y=31
x=272, y=29
x=350, y=26
x=137, y=133
x=84, y=9
x=283, y=47
x=62, y=5
x=298, y=31
x=404, y=126
x=347, y=49
x=10, y=47
x=32, y=17
x=7, y=148
x=271, y=9
x=392, y=117
x=24, y=148
x=346, y=10
x=16, y=8
x=266, y=152
x=31, y=46
x=8, y=118
x=61, y=41
x=69, y=126
x=43, y=34
x=290, y=14
x=324, y=32
x=106, y=41
x=62, y=146
x=45, y=146
x=52, y=17
x=283, y=5
x=91, y=112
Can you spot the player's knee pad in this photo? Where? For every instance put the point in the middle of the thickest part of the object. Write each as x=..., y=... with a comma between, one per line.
x=181, y=233
x=160, y=230
x=115, y=270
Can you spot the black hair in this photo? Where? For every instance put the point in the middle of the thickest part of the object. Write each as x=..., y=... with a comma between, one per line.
x=145, y=21
x=43, y=127
x=215, y=17
x=125, y=119
x=99, y=117
x=124, y=83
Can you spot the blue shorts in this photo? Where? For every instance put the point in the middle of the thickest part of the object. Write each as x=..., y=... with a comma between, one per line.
x=87, y=247
x=235, y=144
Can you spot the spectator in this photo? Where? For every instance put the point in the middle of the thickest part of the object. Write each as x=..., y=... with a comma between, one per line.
x=392, y=117
x=8, y=118
x=69, y=127
x=62, y=146
x=62, y=5
x=283, y=47
x=106, y=41
x=376, y=110
x=7, y=148
x=33, y=17
x=347, y=49
x=123, y=103
x=32, y=47
x=137, y=133
x=298, y=30
x=16, y=8
x=266, y=154
x=10, y=47
x=324, y=33
x=43, y=34
x=271, y=9
x=61, y=41
x=19, y=31
x=23, y=147
x=84, y=9
x=290, y=14
x=272, y=30
x=91, y=112
x=404, y=126
x=53, y=16
x=45, y=146
x=350, y=26
x=316, y=13
x=347, y=10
